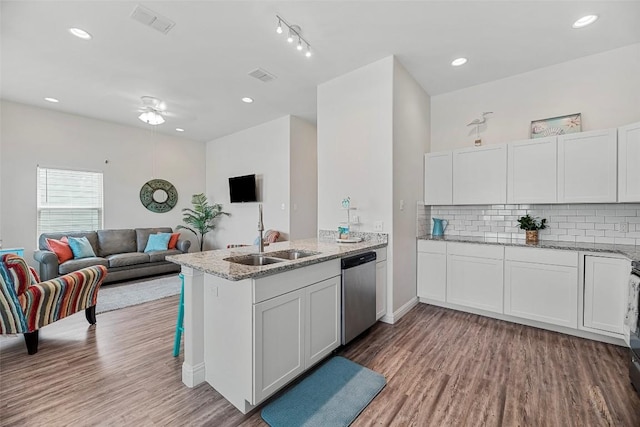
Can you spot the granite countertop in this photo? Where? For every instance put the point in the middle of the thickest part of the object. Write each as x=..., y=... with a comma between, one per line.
x=213, y=262
x=630, y=251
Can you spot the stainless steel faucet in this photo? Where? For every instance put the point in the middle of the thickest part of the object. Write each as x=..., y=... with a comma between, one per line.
x=260, y=229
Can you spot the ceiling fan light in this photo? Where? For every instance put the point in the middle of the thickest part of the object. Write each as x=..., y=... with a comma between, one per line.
x=151, y=118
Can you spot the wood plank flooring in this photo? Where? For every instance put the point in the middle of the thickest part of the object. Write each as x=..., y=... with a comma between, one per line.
x=443, y=368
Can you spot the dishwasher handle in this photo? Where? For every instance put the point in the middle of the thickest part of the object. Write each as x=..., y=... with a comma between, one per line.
x=356, y=260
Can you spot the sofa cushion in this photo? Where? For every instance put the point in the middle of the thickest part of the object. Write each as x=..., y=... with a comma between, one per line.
x=142, y=235
x=157, y=256
x=91, y=236
x=130, y=258
x=81, y=247
x=77, y=264
x=61, y=248
x=116, y=242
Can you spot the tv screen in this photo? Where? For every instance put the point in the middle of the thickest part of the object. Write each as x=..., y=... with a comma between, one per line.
x=243, y=189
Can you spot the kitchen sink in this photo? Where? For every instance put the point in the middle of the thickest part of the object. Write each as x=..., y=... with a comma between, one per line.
x=292, y=254
x=253, y=259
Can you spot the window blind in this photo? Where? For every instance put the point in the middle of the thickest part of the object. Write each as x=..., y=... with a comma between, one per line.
x=69, y=200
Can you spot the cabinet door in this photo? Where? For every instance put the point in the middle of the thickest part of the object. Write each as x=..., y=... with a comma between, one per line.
x=605, y=292
x=587, y=170
x=323, y=319
x=475, y=282
x=628, y=163
x=438, y=178
x=278, y=342
x=480, y=175
x=432, y=275
x=381, y=289
x=532, y=171
x=547, y=293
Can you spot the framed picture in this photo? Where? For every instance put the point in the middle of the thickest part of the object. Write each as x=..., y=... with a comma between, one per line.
x=571, y=123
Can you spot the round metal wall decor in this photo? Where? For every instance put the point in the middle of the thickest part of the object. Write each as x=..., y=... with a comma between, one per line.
x=159, y=196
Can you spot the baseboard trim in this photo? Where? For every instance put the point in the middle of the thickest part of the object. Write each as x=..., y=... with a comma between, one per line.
x=193, y=375
x=397, y=315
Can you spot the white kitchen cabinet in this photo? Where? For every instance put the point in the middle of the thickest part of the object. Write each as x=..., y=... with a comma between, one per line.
x=432, y=270
x=480, y=175
x=381, y=289
x=628, y=161
x=279, y=340
x=475, y=276
x=532, y=171
x=323, y=319
x=587, y=170
x=438, y=178
x=605, y=292
x=542, y=285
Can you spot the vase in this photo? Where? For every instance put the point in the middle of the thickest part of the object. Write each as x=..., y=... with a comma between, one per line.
x=532, y=236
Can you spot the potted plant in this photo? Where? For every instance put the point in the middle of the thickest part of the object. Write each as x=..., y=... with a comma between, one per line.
x=531, y=227
x=202, y=218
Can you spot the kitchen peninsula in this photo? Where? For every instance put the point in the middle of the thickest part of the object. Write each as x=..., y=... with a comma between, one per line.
x=251, y=329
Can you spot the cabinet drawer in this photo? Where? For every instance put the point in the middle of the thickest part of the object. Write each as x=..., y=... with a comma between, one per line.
x=432, y=246
x=476, y=250
x=541, y=256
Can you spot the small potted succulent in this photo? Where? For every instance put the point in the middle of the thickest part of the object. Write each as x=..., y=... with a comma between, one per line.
x=531, y=227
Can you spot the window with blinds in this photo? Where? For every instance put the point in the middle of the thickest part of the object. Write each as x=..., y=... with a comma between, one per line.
x=69, y=200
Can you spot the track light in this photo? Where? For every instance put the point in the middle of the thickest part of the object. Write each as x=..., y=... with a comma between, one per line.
x=294, y=33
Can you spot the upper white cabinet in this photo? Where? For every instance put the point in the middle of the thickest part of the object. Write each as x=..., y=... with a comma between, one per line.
x=480, y=175
x=438, y=178
x=605, y=292
x=587, y=171
x=532, y=171
x=628, y=161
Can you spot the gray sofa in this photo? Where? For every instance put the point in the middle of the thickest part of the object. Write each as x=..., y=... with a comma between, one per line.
x=121, y=251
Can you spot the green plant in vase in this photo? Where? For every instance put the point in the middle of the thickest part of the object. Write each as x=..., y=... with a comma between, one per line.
x=531, y=226
x=203, y=218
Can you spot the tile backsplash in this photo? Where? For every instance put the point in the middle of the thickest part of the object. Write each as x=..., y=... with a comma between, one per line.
x=593, y=223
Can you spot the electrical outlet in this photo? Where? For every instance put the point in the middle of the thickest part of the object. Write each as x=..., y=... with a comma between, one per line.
x=355, y=219
x=623, y=227
x=378, y=226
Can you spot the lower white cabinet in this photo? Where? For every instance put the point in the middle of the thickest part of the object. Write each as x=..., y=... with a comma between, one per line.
x=605, y=292
x=381, y=282
x=323, y=320
x=278, y=342
x=542, y=285
x=432, y=270
x=475, y=276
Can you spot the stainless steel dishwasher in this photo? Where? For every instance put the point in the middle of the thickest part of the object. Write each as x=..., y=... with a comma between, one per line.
x=358, y=294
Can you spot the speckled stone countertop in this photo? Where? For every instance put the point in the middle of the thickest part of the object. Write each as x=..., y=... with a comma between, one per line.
x=213, y=262
x=631, y=252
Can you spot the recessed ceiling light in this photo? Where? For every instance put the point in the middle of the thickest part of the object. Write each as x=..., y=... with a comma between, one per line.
x=80, y=33
x=51, y=100
x=458, y=62
x=585, y=20
x=247, y=100
x=179, y=130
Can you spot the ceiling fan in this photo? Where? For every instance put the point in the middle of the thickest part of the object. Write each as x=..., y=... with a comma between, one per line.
x=152, y=110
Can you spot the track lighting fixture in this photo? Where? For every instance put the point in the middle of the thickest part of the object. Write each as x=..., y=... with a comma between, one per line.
x=294, y=33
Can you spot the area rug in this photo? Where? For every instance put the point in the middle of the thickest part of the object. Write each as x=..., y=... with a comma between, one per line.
x=125, y=294
x=333, y=395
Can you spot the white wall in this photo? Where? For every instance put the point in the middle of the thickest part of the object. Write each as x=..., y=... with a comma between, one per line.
x=261, y=150
x=354, y=146
x=34, y=136
x=411, y=130
x=303, y=205
x=605, y=88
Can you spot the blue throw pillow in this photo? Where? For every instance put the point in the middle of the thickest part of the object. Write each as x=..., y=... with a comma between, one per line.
x=81, y=247
x=158, y=242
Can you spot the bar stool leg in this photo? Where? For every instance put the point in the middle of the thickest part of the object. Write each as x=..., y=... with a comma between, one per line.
x=179, y=326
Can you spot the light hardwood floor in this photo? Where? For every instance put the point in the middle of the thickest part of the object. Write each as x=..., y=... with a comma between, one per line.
x=443, y=368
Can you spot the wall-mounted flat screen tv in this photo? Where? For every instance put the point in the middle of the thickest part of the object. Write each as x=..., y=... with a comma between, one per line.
x=243, y=189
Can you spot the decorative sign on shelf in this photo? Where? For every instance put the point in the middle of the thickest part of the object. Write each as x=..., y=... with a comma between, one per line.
x=159, y=196
x=556, y=126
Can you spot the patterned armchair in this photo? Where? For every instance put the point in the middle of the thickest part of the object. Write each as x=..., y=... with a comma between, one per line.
x=26, y=305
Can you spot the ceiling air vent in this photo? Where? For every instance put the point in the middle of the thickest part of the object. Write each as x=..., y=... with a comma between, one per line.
x=152, y=19
x=262, y=75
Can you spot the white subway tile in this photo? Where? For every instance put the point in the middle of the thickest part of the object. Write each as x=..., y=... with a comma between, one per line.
x=595, y=233
x=567, y=225
x=585, y=225
x=582, y=239
x=567, y=238
x=624, y=241
x=576, y=232
x=604, y=240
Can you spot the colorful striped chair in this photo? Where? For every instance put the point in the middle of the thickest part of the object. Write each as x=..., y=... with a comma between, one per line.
x=26, y=305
